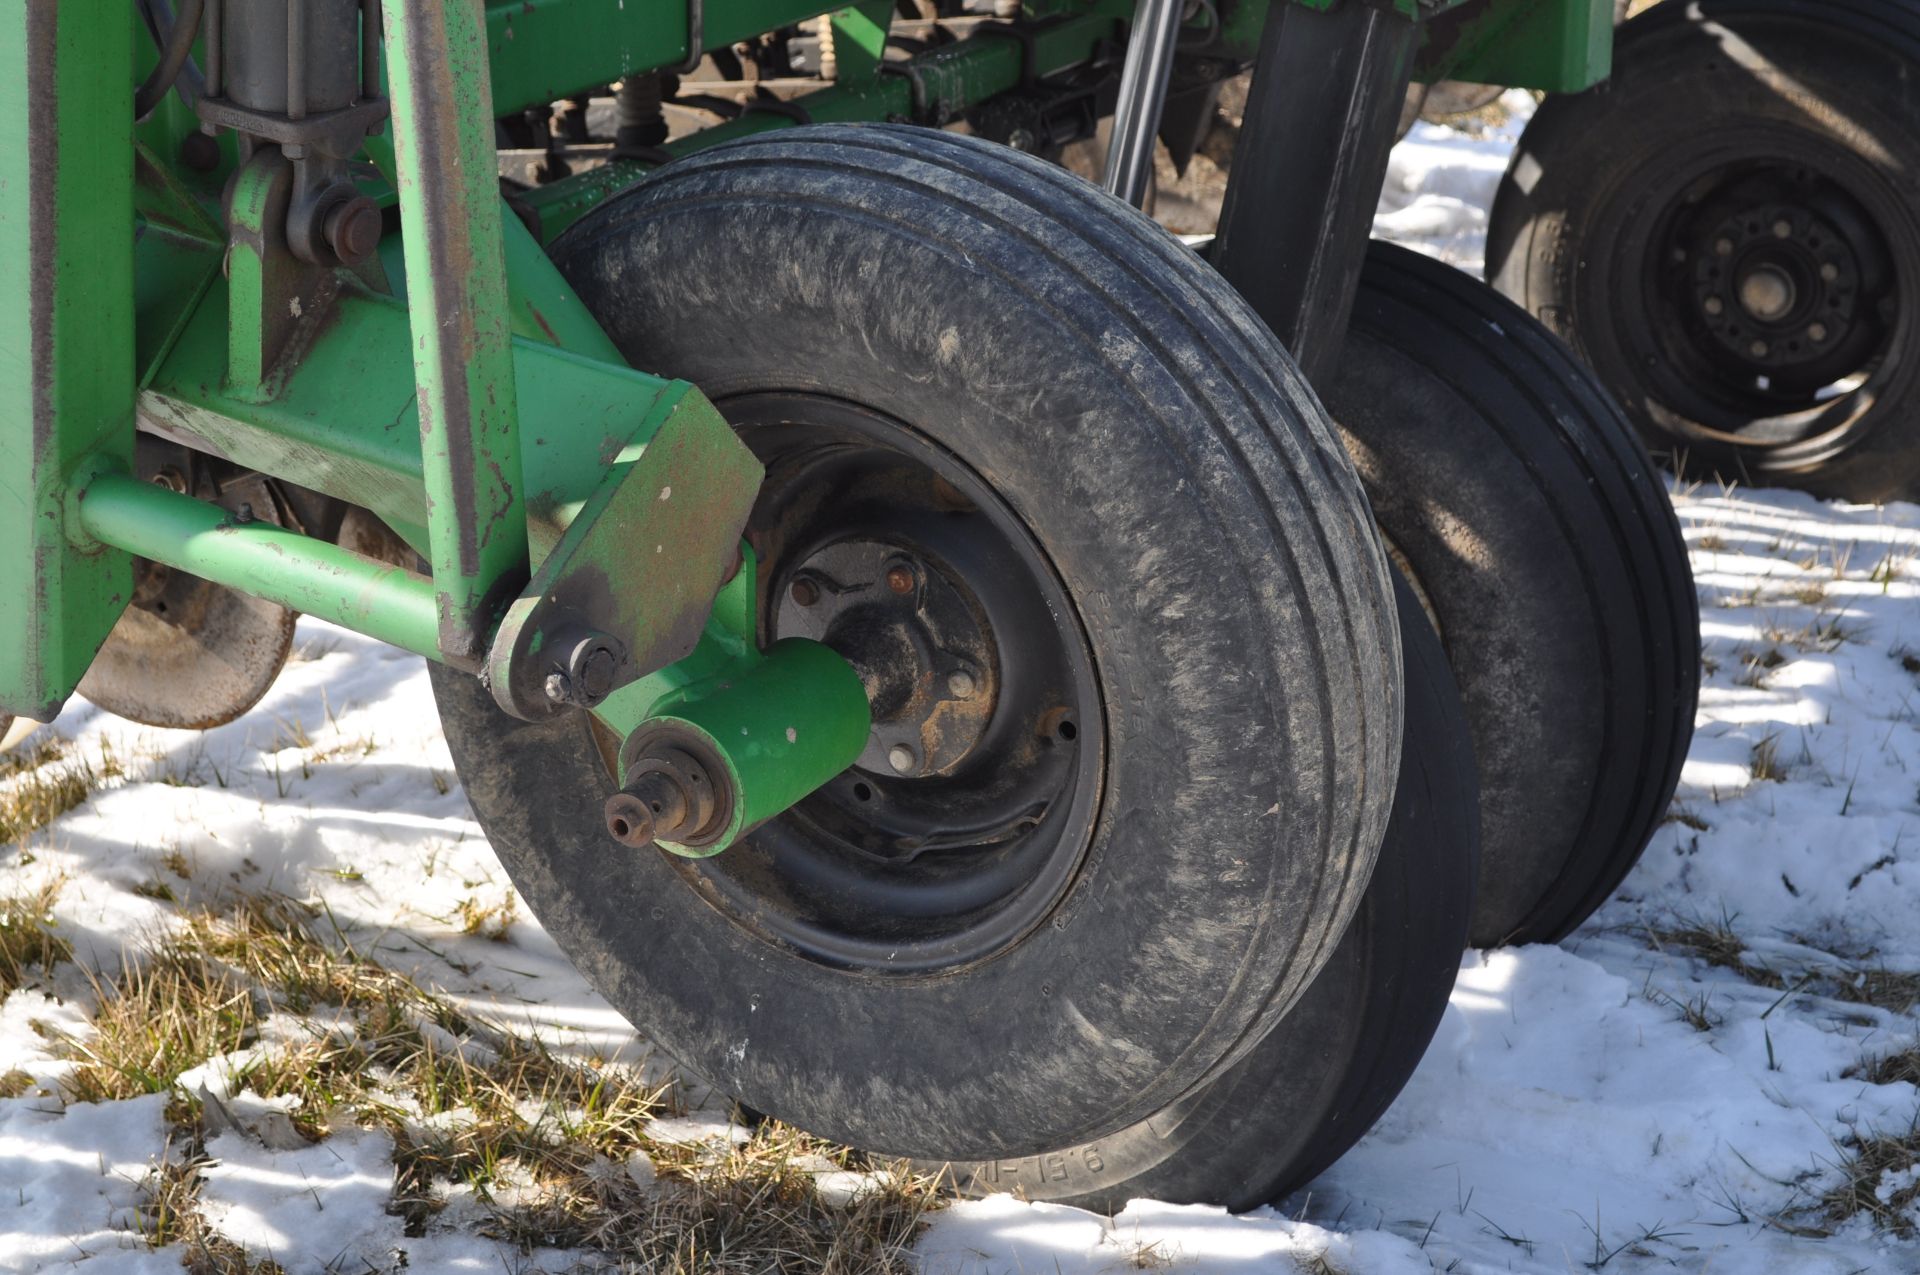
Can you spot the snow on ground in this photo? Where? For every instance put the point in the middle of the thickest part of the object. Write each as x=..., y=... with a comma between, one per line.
x=1618, y=1102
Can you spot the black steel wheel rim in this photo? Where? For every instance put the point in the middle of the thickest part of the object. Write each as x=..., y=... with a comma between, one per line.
x=1762, y=275
x=873, y=538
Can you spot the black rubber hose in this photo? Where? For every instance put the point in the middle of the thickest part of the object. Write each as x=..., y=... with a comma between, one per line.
x=174, y=51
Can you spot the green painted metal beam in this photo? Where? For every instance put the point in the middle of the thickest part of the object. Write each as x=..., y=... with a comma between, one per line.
x=260, y=558
x=439, y=78
x=66, y=331
x=1557, y=46
x=934, y=87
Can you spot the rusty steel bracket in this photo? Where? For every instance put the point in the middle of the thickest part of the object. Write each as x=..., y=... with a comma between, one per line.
x=609, y=604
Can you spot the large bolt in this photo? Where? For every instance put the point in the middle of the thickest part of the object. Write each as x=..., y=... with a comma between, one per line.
x=352, y=228
x=804, y=592
x=960, y=684
x=900, y=757
x=900, y=578
x=557, y=688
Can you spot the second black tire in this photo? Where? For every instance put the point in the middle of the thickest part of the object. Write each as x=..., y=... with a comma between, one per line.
x=1519, y=500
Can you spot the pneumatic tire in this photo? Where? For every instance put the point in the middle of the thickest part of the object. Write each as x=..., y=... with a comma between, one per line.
x=1728, y=232
x=1318, y=1082
x=1539, y=533
x=961, y=361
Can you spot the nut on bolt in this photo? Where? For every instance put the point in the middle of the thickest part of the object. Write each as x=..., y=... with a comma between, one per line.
x=588, y=668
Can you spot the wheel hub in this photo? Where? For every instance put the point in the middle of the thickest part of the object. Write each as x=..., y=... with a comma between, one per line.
x=912, y=628
x=1777, y=286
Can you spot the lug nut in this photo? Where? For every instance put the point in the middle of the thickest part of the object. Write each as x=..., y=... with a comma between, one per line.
x=900, y=757
x=557, y=687
x=1829, y=272
x=960, y=684
x=1758, y=349
x=1816, y=332
x=1724, y=247
x=1782, y=229
x=900, y=578
x=1713, y=305
x=804, y=592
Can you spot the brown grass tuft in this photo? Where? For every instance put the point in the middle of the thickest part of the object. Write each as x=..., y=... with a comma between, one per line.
x=1872, y=1157
x=27, y=940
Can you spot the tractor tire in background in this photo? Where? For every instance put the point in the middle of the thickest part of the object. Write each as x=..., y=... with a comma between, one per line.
x=1728, y=233
x=1541, y=538
x=1116, y=508
x=1318, y=1082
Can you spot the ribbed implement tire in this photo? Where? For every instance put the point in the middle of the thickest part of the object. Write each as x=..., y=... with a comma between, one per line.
x=1532, y=519
x=1165, y=457
x=1318, y=1082
x=1725, y=123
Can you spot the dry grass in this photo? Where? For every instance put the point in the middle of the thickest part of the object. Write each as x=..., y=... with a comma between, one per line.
x=542, y=1141
x=1765, y=763
x=160, y=1016
x=39, y=784
x=27, y=939
x=491, y=921
x=1871, y=1159
x=171, y=1214
x=1900, y=1066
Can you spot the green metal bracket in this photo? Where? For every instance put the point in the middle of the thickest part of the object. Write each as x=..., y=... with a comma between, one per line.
x=610, y=603
x=860, y=39
x=781, y=722
x=66, y=332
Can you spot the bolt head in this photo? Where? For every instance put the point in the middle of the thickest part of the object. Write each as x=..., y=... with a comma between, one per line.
x=1782, y=229
x=900, y=579
x=1713, y=305
x=352, y=229
x=1829, y=272
x=1723, y=247
x=558, y=689
x=1816, y=331
x=901, y=758
x=960, y=684
x=596, y=673
x=1758, y=349
x=804, y=592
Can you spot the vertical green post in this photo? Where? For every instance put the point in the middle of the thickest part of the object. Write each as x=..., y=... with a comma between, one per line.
x=66, y=331
x=456, y=283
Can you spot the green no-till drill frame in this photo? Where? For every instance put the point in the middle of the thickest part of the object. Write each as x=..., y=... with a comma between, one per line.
x=454, y=385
